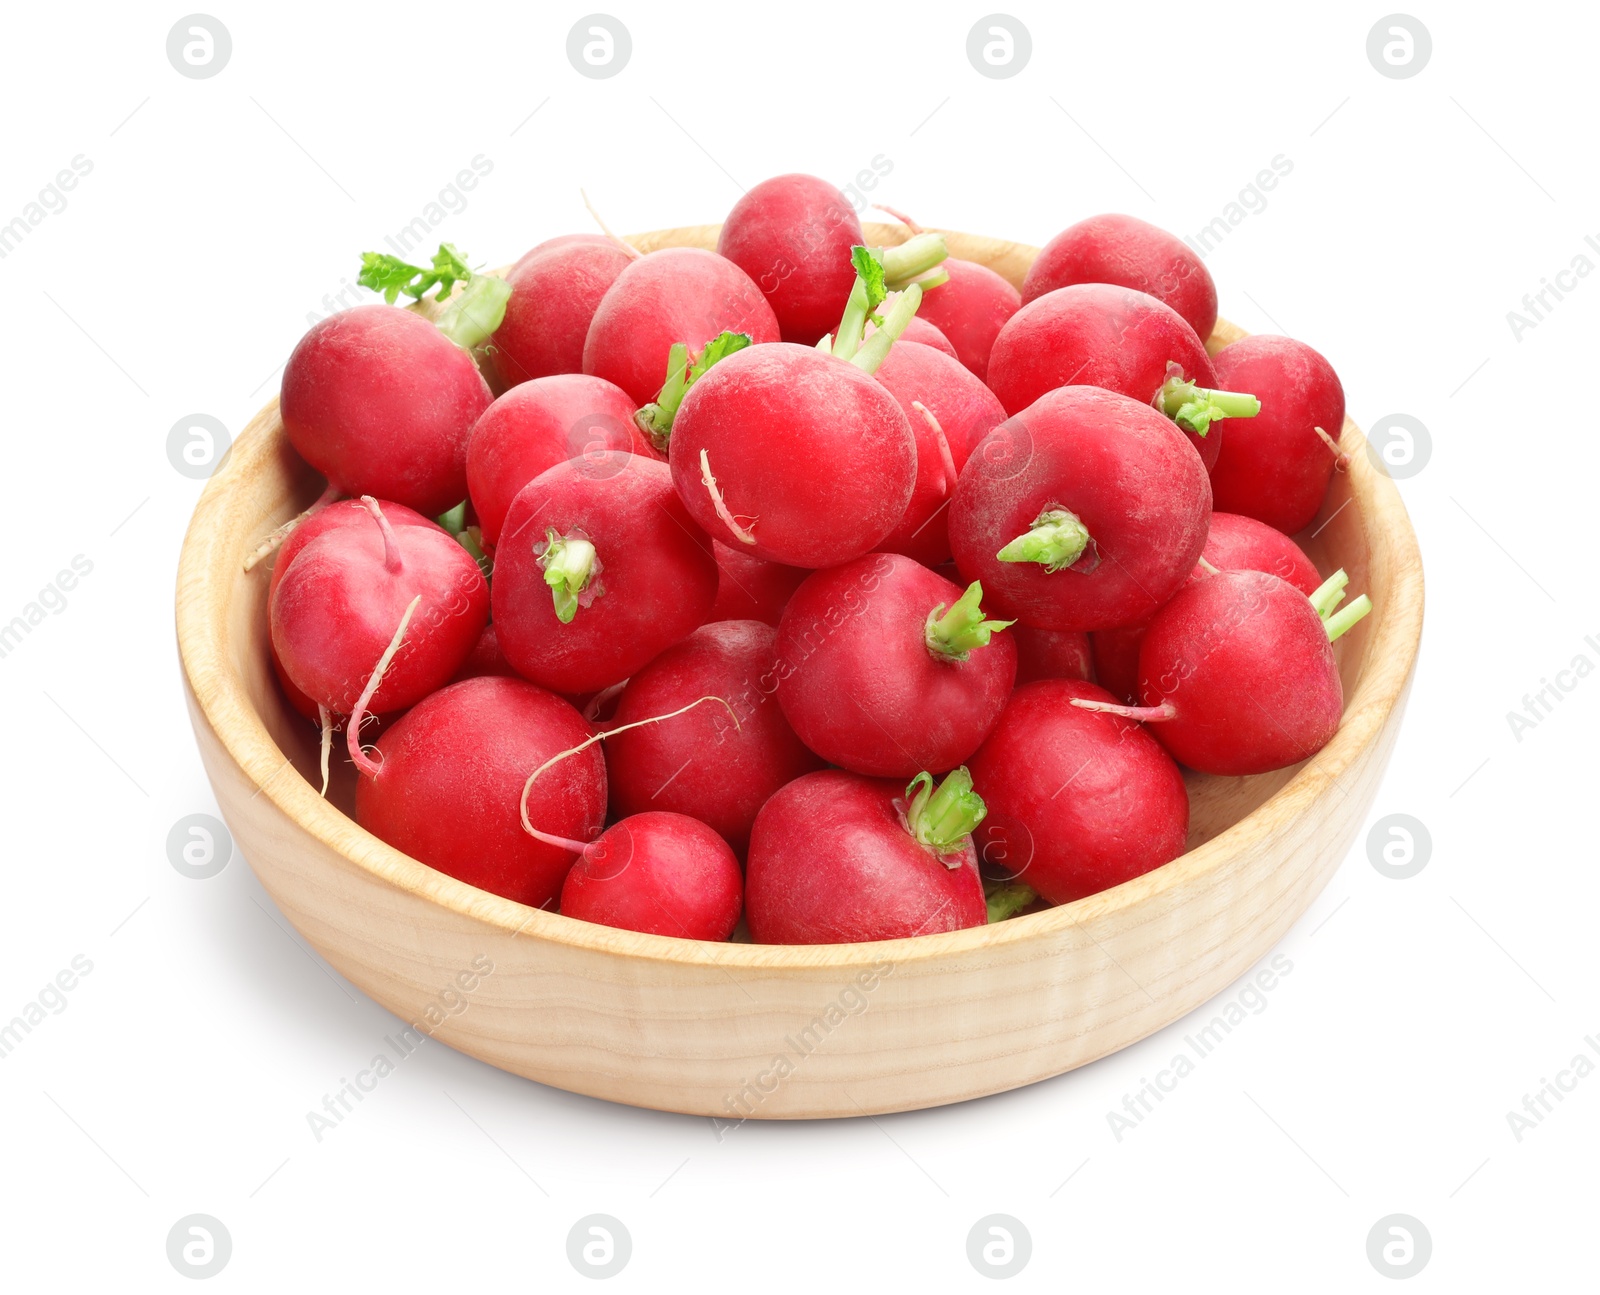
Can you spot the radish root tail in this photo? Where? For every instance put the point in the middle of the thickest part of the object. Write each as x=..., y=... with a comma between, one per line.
x=528, y=827
x=740, y=533
x=273, y=542
x=1341, y=460
x=325, y=720
x=633, y=252
x=947, y=458
x=358, y=755
x=901, y=217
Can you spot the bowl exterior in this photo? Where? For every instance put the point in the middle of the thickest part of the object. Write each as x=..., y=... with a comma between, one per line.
x=743, y=1031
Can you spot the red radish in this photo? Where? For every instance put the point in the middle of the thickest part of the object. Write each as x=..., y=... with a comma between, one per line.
x=680, y=295
x=379, y=400
x=793, y=455
x=537, y=425
x=486, y=659
x=889, y=668
x=1051, y=654
x=564, y=240
x=344, y=598
x=1079, y=801
x=792, y=235
x=923, y=333
x=555, y=290
x=450, y=776
x=599, y=567
x=1237, y=675
x=1278, y=470
x=1086, y=512
x=660, y=873
x=718, y=766
x=332, y=517
x=1238, y=543
x=1234, y=543
x=836, y=858
x=1135, y=254
x=970, y=310
x=751, y=588
x=950, y=411
x=1101, y=335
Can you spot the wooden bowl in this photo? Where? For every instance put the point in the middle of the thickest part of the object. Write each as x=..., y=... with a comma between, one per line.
x=739, y=1030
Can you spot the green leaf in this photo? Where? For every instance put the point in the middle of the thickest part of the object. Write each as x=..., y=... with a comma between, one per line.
x=870, y=268
x=719, y=347
x=391, y=276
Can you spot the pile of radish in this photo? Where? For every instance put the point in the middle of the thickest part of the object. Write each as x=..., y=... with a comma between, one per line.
x=725, y=594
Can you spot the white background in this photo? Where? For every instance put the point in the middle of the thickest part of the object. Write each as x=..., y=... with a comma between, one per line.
x=1418, y=1012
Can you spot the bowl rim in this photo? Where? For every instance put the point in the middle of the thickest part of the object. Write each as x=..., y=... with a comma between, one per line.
x=205, y=572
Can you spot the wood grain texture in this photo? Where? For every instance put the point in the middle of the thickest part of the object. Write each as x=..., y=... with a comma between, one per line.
x=859, y=1029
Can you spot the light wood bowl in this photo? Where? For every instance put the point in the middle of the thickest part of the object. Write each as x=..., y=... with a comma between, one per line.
x=741, y=1030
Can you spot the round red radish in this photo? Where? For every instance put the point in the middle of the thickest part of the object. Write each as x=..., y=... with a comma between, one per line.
x=599, y=568
x=555, y=291
x=1084, y=513
x=1079, y=801
x=381, y=403
x=449, y=782
x=751, y=588
x=660, y=873
x=1278, y=467
x=792, y=235
x=1098, y=335
x=679, y=294
x=343, y=597
x=1239, y=673
x=537, y=425
x=889, y=669
x=717, y=762
x=970, y=310
x=963, y=411
x=1234, y=543
x=1135, y=254
x=836, y=858
x=1051, y=654
x=793, y=455
x=332, y=517
x=561, y=240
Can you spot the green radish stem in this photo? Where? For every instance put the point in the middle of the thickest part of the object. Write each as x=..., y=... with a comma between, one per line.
x=917, y=255
x=875, y=349
x=273, y=542
x=943, y=818
x=866, y=295
x=1329, y=594
x=468, y=318
x=1143, y=714
x=1195, y=408
x=391, y=546
x=471, y=539
x=1006, y=898
x=455, y=520
x=741, y=534
x=578, y=846
x=952, y=635
x=1055, y=538
x=352, y=735
x=655, y=419
x=570, y=563
x=1343, y=619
